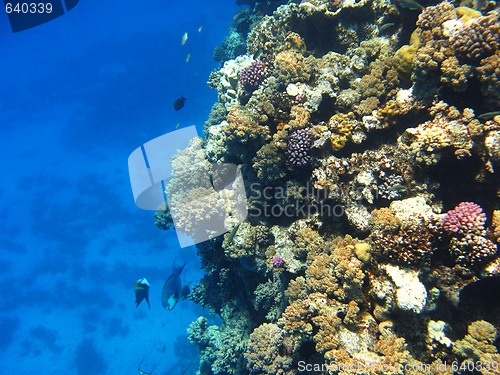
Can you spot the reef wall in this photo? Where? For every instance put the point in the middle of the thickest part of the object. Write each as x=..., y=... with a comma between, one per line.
x=368, y=140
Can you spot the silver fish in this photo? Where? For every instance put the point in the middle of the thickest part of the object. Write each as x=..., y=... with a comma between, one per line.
x=184, y=38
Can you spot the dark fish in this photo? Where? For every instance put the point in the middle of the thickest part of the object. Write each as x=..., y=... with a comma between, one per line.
x=488, y=115
x=141, y=291
x=179, y=103
x=173, y=289
x=185, y=291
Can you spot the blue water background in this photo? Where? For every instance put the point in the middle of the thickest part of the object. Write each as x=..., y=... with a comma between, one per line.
x=78, y=95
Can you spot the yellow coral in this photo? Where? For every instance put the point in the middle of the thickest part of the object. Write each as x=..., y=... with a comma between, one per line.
x=384, y=220
x=466, y=13
x=341, y=125
x=294, y=41
x=300, y=118
x=495, y=221
x=243, y=126
x=478, y=341
x=403, y=60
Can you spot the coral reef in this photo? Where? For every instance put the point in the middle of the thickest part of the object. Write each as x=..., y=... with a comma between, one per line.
x=357, y=128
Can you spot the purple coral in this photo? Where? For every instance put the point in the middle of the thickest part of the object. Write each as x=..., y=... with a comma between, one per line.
x=251, y=76
x=466, y=218
x=299, y=147
x=278, y=262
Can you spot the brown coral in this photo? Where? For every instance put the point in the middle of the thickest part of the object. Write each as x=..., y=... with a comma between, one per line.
x=410, y=246
x=448, y=129
x=495, y=221
x=308, y=243
x=266, y=352
x=489, y=75
x=338, y=275
x=384, y=220
x=248, y=240
x=389, y=358
x=295, y=42
x=434, y=16
x=479, y=38
x=296, y=320
x=291, y=67
x=478, y=342
x=456, y=75
x=243, y=126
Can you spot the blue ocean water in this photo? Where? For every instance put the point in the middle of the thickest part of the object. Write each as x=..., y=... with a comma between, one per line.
x=78, y=95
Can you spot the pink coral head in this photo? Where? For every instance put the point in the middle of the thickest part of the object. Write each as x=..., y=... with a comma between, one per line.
x=467, y=217
x=278, y=262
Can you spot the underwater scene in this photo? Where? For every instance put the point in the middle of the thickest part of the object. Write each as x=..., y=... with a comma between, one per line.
x=250, y=187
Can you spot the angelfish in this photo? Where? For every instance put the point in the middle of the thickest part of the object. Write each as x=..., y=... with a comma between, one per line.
x=141, y=291
x=173, y=290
